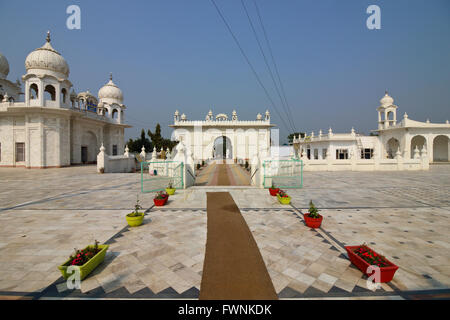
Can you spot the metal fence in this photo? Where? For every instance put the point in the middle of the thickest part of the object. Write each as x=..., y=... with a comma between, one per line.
x=286, y=174
x=156, y=175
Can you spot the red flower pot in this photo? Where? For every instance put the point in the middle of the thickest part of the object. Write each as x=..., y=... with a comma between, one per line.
x=386, y=273
x=160, y=202
x=273, y=192
x=312, y=222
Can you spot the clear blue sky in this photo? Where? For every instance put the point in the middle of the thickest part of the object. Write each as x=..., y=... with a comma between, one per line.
x=168, y=55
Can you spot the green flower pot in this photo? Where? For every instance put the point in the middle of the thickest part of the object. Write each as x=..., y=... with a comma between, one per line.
x=135, y=221
x=89, y=266
x=170, y=191
x=285, y=200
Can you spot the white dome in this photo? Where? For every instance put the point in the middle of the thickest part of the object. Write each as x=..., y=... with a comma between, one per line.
x=387, y=100
x=48, y=60
x=4, y=67
x=110, y=93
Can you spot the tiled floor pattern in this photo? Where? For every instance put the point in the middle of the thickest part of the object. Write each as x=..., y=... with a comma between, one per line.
x=163, y=258
x=300, y=261
x=45, y=213
x=416, y=239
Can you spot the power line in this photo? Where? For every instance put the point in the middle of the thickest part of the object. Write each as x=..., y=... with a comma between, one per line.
x=248, y=62
x=267, y=65
x=273, y=60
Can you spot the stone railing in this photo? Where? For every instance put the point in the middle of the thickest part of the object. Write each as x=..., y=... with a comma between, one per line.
x=374, y=164
x=115, y=164
x=222, y=123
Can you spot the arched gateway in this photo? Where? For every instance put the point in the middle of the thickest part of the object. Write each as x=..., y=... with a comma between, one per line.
x=222, y=138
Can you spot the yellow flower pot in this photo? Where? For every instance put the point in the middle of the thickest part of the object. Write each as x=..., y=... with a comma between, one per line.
x=135, y=221
x=170, y=191
x=284, y=200
x=86, y=268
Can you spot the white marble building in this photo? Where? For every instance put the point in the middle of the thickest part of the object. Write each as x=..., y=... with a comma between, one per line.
x=50, y=127
x=222, y=138
x=406, y=140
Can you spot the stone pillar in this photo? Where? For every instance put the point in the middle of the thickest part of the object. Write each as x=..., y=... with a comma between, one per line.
x=416, y=153
x=102, y=160
x=143, y=154
x=376, y=159
x=255, y=167
x=425, y=159
x=399, y=158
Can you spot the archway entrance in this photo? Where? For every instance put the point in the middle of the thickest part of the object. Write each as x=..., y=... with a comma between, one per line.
x=89, y=148
x=222, y=148
x=440, y=149
x=419, y=142
x=392, y=147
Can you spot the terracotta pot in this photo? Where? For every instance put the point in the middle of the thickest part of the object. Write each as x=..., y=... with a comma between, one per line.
x=312, y=222
x=273, y=192
x=386, y=273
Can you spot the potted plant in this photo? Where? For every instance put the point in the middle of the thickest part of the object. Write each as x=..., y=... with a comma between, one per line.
x=85, y=260
x=362, y=257
x=170, y=189
x=273, y=191
x=160, y=199
x=313, y=219
x=283, y=198
x=135, y=218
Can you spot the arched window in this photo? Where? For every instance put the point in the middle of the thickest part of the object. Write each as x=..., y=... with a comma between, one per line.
x=63, y=95
x=441, y=146
x=34, y=91
x=115, y=114
x=50, y=93
x=82, y=104
x=106, y=112
x=419, y=142
x=390, y=116
x=392, y=147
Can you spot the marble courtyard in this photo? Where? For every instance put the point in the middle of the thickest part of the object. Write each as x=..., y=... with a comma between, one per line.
x=44, y=214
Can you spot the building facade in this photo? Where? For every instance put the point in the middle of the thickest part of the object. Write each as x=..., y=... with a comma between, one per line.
x=406, y=140
x=53, y=126
x=221, y=137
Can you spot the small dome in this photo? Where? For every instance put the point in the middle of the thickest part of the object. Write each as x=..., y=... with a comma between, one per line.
x=48, y=59
x=86, y=96
x=387, y=100
x=4, y=67
x=111, y=92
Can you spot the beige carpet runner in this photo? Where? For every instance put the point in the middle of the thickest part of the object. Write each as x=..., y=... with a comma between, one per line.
x=233, y=267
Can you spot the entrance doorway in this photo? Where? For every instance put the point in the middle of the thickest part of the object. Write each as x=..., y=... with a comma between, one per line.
x=84, y=154
x=222, y=148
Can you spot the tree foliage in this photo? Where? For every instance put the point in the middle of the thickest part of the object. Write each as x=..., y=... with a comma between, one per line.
x=136, y=145
x=158, y=141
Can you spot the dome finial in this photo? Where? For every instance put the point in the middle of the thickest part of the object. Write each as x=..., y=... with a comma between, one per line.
x=48, y=36
x=110, y=76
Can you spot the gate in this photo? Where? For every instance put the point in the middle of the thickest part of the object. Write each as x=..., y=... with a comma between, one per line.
x=284, y=174
x=156, y=175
